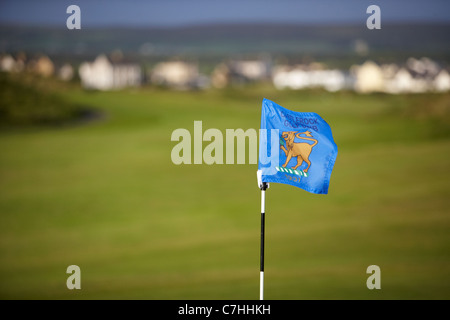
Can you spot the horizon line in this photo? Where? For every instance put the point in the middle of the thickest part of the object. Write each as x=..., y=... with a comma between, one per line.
x=229, y=23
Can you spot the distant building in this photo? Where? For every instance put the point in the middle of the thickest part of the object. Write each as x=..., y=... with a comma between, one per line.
x=44, y=67
x=240, y=71
x=104, y=75
x=442, y=81
x=251, y=70
x=66, y=73
x=416, y=76
x=368, y=77
x=424, y=67
x=7, y=63
x=178, y=75
x=399, y=82
x=304, y=77
x=220, y=76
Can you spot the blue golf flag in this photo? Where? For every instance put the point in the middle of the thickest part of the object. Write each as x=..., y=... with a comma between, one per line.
x=295, y=148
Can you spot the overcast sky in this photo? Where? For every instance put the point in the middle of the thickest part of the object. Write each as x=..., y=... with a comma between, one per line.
x=177, y=12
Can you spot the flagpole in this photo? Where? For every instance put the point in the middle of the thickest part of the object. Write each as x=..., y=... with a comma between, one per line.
x=263, y=187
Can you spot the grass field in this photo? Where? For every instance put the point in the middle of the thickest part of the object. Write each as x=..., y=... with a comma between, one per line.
x=105, y=196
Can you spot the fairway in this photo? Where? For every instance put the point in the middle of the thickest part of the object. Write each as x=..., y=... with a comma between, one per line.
x=106, y=196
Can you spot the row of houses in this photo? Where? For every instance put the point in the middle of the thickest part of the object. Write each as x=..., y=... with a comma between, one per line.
x=42, y=66
x=103, y=75
x=311, y=76
x=414, y=76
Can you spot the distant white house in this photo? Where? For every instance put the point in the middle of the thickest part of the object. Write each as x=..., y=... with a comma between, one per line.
x=371, y=77
x=7, y=63
x=43, y=66
x=220, y=76
x=417, y=76
x=10, y=64
x=174, y=73
x=399, y=82
x=252, y=70
x=302, y=77
x=286, y=77
x=65, y=73
x=442, y=81
x=368, y=77
x=240, y=71
x=104, y=75
x=178, y=75
x=425, y=67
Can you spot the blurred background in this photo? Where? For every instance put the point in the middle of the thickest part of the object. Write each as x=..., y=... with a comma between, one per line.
x=86, y=177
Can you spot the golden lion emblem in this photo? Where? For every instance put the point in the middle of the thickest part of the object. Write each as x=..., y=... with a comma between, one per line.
x=301, y=150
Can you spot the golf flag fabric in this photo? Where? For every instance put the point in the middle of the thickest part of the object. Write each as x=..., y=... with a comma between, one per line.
x=295, y=148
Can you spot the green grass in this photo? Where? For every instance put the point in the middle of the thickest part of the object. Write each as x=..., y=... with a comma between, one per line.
x=24, y=103
x=106, y=197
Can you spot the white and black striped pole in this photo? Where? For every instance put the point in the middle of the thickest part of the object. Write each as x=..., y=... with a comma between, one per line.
x=263, y=186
